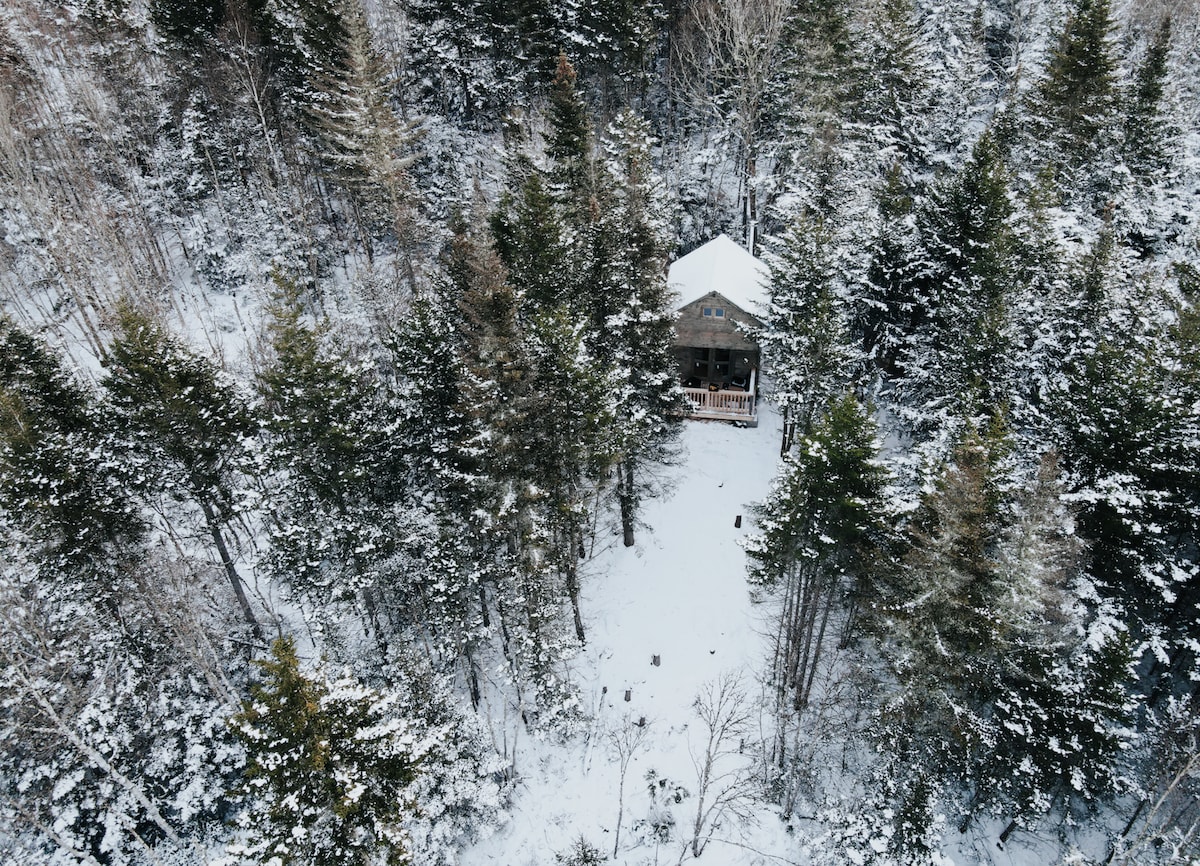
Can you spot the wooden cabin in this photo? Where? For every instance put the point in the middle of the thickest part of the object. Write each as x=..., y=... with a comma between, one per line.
x=721, y=288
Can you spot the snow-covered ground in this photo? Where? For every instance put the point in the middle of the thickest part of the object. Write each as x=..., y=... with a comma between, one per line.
x=679, y=594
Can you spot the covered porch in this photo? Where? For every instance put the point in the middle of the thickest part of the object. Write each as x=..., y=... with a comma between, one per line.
x=721, y=383
x=723, y=406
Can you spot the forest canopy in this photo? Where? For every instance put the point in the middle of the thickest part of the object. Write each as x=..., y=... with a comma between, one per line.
x=335, y=333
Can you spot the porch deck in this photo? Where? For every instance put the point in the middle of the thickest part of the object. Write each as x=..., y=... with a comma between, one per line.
x=723, y=405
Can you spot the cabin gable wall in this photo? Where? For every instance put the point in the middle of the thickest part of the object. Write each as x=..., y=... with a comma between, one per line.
x=695, y=329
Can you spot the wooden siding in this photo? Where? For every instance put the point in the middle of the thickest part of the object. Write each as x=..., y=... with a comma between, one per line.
x=695, y=329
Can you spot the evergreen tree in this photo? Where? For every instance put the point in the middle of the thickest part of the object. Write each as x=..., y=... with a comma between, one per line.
x=64, y=480
x=804, y=343
x=1078, y=94
x=819, y=534
x=307, y=42
x=892, y=103
x=967, y=272
x=889, y=303
x=362, y=136
x=620, y=41
x=570, y=146
x=632, y=317
x=1129, y=453
x=336, y=493
x=188, y=420
x=329, y=768
x=1145, y=129
x=813, y=95
x=501, y=502
x=452, y=47
x=187, y=22
x=997, y=699
x=533, y=242
x=103, y=730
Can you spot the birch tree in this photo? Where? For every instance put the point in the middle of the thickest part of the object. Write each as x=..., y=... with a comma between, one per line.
x=722, y=63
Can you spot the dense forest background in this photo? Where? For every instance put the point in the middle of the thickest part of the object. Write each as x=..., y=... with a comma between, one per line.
x=336, y=331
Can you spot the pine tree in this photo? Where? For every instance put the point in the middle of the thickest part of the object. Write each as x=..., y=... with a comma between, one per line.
x=1078, y=94
x=329, y=768
x=819, y=533
x=189, y=420
x=804, y=343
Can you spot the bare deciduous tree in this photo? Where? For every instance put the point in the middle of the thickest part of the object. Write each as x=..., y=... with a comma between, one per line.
x=626, y=741
x=721, y=68
x=723, y=776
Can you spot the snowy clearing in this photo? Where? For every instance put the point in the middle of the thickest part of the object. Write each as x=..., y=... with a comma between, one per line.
x=679, y=594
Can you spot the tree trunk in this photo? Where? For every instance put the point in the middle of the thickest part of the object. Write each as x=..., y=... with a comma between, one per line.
x=235, y=580
x=572, y=576
x=625, y=495
x=820, y=640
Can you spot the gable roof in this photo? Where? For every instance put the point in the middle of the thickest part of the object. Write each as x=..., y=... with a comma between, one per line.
x=721, y=266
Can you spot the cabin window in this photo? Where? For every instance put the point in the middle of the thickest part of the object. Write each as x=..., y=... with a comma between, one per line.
x=708, y=312
x=719, y=312
x=713, y=312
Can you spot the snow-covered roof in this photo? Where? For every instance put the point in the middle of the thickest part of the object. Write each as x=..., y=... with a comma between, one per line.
x=721, y=266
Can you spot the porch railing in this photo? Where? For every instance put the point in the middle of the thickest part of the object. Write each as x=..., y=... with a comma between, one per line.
x=721, y=405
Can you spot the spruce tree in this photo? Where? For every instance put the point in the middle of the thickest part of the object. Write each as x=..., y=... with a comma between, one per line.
x=570, y=146
x=889, y=303
x=631, y=313
x=329, y=767
x=967, y=272
x=336, y=488
x=894, y=83
x=350, y=110
x=188, y=22
x=533, y=242
x=1145, y=129
x=996, y=696
x=804, y=339
x=1078, y=94
x=819, y=534
x=188, y=420
x=64, y=478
